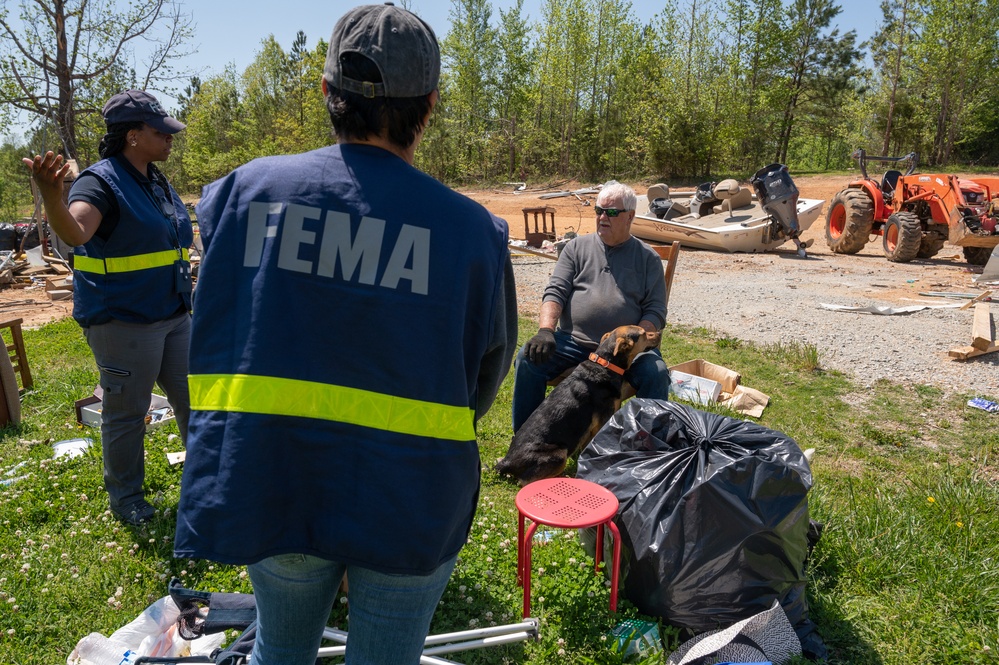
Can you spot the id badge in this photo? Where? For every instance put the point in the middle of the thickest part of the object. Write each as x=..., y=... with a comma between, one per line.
x=182, y=276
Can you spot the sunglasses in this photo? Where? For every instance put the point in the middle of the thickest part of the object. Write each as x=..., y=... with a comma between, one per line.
x=610, y=212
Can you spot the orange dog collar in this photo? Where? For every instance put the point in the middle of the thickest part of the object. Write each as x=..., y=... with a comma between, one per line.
x=603, y=362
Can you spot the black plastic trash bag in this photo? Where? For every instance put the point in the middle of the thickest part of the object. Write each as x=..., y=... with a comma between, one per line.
x=713, y=517
x=8, y=237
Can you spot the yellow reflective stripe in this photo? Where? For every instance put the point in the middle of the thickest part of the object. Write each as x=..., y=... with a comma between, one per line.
x=129, y=263
x=141, y=261
x=88, y=264
x=245, y=393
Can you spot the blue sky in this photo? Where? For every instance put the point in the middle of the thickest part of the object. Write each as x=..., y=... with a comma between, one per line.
x=218, y=45
x=231, y=31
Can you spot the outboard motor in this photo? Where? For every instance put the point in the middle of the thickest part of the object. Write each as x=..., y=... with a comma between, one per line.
x=777, y=193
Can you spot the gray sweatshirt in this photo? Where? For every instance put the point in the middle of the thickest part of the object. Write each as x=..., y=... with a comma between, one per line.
x=601, y=287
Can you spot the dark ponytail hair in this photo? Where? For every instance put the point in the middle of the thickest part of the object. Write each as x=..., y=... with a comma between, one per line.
x=113, y=142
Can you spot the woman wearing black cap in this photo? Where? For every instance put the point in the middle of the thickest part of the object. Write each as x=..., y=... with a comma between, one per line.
x=132, y=280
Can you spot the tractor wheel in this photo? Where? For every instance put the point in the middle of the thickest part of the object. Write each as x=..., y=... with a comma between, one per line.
x=903, y=235
x=977, y=256
x=849, y=221
x=930, y=245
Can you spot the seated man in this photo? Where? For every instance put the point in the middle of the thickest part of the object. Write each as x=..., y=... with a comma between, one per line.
x=602, y=280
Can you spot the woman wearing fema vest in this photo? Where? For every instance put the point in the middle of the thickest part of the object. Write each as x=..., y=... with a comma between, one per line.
x=131, y=282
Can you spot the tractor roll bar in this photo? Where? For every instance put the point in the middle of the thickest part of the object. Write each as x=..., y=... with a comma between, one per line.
x=862, y=158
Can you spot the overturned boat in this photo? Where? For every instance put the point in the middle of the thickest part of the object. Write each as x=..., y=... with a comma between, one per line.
x=728, y=217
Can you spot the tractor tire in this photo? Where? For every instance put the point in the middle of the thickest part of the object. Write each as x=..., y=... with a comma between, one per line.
x=849, y=221
x=977, y=256
x=903, y=235
x=930, y=245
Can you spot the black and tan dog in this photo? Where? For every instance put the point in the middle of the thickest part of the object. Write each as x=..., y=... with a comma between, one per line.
x=576, y=408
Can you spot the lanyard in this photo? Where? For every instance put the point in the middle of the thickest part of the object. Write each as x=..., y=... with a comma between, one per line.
x=162, y=204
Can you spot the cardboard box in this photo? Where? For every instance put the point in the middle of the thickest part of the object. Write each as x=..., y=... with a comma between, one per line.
x=727, y=379
x=88, y=410
x=702, y=382
x=692, y=388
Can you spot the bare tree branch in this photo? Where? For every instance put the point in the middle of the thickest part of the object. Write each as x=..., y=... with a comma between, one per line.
x=59, y=56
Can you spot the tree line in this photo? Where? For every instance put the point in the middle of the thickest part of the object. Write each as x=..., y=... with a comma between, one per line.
x=703, y=89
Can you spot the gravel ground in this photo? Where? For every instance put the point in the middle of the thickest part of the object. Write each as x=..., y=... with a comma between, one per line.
x=773, y=297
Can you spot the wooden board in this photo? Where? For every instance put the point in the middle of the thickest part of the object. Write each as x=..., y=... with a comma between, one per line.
x=968, y=352
x=982, y=330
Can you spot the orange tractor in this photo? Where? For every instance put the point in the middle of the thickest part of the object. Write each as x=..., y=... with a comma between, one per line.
x=915, y=213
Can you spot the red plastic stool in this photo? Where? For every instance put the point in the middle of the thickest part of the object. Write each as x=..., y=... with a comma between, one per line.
x=565, y=503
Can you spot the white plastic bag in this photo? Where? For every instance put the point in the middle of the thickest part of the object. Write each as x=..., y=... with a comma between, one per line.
x=153, y=633
x=154, y=622
x=95, y=649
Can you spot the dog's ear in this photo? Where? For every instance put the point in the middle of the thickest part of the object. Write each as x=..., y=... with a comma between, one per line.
x=606, y=335
x=623, y=344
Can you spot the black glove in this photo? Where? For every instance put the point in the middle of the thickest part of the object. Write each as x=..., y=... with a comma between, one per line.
x=540, y=347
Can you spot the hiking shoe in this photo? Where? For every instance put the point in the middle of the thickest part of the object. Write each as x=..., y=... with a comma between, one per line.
x=136, y=513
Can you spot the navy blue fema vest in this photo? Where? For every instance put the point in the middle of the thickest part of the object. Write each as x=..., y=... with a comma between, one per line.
x=131, y=275
x=344, y=304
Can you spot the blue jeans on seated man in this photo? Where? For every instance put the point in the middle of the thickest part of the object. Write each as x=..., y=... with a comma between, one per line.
x=648, y=374
x=388, y=617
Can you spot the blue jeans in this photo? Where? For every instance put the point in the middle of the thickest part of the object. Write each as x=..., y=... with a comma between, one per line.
x=388, y=615
x=648, y=374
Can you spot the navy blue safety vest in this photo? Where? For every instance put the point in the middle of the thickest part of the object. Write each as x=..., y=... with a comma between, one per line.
x=132, y=276
x=344, y=304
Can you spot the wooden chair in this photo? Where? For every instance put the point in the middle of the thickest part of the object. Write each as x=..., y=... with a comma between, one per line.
x=668, y=253
x=10, y=365
x=537, y=237
x=17, y=353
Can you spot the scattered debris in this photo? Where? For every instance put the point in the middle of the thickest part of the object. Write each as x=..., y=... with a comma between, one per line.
x=990, y=272
x=887, y=310
x=983, y=328
x=71, y=447
x=31, y=269
x=8, y=474
x=953, y=294
x=982, y=336
x=968, y=352
x=575, y=192
x=983, y=404
x=985, y=296
x=520, y=247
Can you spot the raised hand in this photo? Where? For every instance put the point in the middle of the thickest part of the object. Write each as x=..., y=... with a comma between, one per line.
x=48, y=172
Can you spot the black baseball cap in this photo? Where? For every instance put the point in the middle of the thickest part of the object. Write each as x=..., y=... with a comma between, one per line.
x=140, y=106
x=398, y=42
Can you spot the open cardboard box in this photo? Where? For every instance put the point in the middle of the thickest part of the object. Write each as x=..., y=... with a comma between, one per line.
x=702, y=382
x=88, y=410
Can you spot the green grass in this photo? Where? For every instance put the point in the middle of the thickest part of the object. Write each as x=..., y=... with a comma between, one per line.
x=905, y=483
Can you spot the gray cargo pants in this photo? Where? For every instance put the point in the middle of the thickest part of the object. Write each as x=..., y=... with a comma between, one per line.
x=131, y=358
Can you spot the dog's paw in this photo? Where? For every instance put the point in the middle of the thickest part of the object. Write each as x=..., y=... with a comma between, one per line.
x=503, y=467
